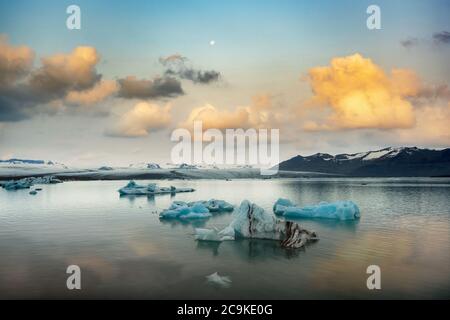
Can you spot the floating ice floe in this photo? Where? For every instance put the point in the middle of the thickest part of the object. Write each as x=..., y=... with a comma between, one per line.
x=195, y=210
x=218, y=280
x=214, y=205
x=132, y=188
x=341, y=210
x=251, y=221
x=26, y=183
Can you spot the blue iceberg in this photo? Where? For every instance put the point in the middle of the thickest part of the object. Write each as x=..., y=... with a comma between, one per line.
x=340, y=210
x=195, y=210
x=214, y=205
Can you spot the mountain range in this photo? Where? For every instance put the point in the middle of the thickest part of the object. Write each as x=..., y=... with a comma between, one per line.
x=387, y=162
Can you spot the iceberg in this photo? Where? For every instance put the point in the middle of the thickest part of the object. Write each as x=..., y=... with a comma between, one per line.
x=180, y=210
x=26, y=183
x=195, y=210
x=132, y=188
x=253, y=222
x=341, y=210
x=281, y=205
x=214, y=205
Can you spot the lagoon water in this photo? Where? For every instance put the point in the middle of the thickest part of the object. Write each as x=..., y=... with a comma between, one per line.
x=125, y=251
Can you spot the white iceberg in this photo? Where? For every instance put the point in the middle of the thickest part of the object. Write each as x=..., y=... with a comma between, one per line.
x=132, y=188
x=195, y=210
x=218, y=280
x=341, y=210
x=251, y=221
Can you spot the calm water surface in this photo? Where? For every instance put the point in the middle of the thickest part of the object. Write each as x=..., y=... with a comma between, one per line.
x=125, y=251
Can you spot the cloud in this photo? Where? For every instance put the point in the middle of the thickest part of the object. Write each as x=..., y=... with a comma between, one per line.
x=177, y=66
x=410, y=42
x=61, y=73
x=432, y=127
x=58, y=75
x=438, y=38
x=429, y=95
x=442, y=37
x=213, y=118
x=355, y=93
x=261, y=113
x=166, y=87
x=96, y=94
x=142, y=119
x=15, y=62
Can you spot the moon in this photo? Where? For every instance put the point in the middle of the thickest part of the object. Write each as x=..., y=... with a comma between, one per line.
x=212, y=42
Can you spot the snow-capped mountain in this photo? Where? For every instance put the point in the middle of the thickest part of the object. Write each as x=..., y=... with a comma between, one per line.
x=20, y=162
x=387, y=162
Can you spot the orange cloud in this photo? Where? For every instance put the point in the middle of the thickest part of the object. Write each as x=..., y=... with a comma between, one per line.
x=14, y=61
x=212, y=117
x=356, y=93
x=432, y=127
x=62, y=72
x=259, y=114
x=141, y=120
x=98, y=93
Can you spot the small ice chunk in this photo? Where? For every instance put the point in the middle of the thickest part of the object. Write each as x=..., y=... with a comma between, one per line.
x=341, y=210
x=218, y=280
x=132, y=188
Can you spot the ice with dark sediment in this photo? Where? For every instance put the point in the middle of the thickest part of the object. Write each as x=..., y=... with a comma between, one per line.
x=253, y=222
x=132, y=188
x=340, y=210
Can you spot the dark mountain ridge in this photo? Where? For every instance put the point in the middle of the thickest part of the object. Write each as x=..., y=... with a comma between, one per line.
x=387, y=162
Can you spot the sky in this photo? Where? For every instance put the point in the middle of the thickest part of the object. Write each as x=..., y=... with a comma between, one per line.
x=113, y=91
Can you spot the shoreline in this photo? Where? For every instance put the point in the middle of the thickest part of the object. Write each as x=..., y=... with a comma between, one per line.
x=66, y=174
x=150, y=174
